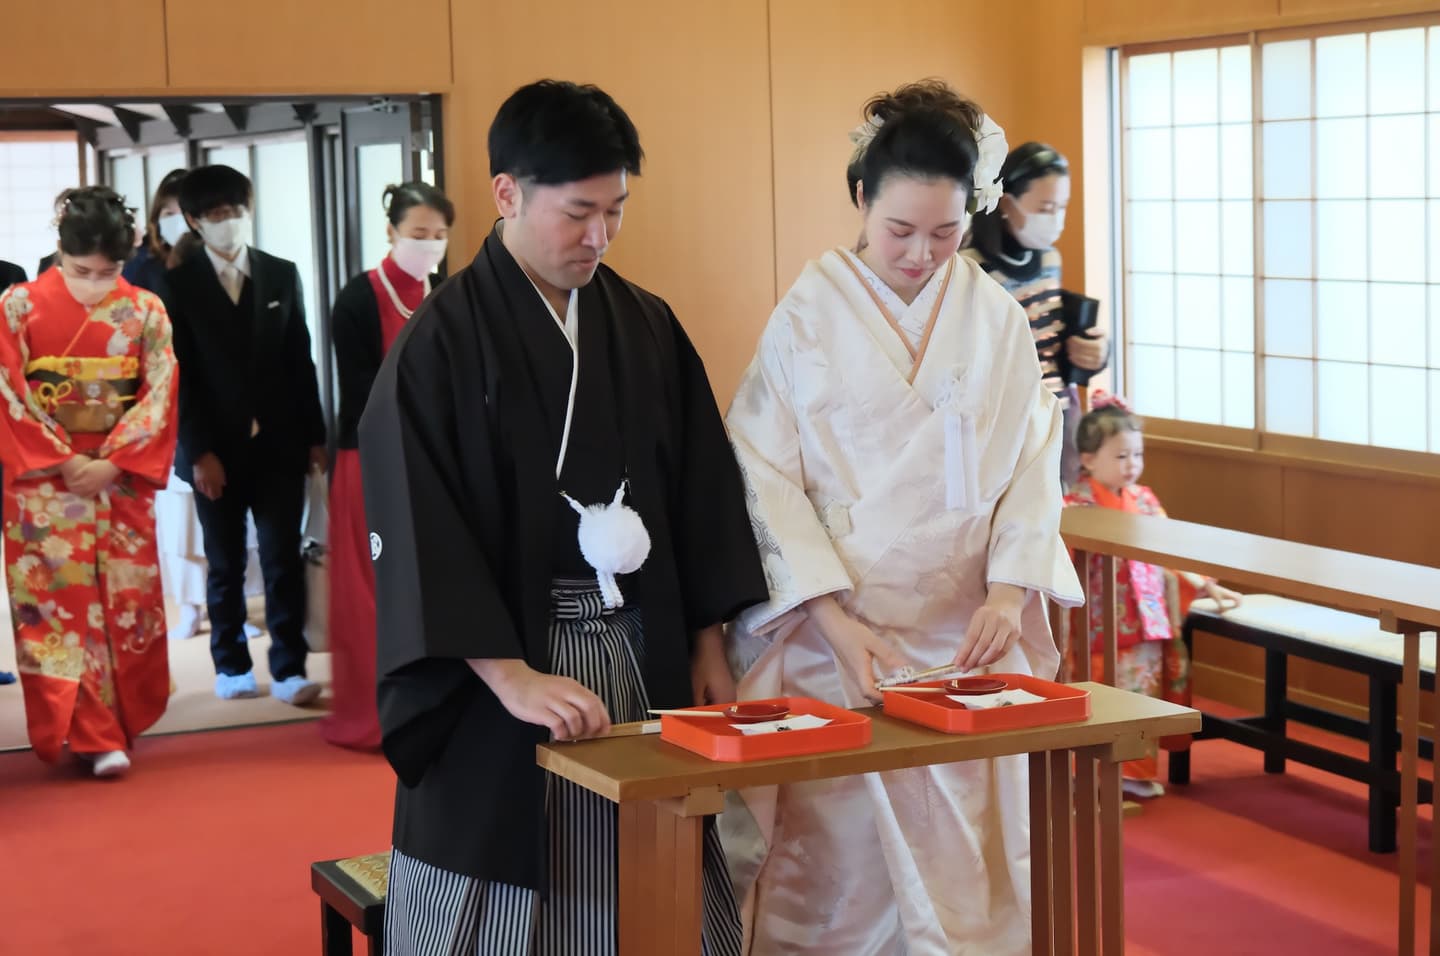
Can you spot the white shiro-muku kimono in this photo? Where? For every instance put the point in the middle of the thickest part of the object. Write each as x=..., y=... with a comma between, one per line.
x=900, y=458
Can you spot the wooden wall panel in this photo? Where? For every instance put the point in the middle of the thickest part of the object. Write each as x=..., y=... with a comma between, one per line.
x=1346, y=9
x=1140, y=21
x=827, y=58
x=1330, y=683
x=699, y=227
x=1233, y=672
x=1216, y=489
x=1390, y=519
x=1174, y=18
x=1221, y=658
x=85, y=47
x=320, y=46
x=1052, y=112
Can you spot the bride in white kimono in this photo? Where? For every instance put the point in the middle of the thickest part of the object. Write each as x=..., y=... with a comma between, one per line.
x=901, y=459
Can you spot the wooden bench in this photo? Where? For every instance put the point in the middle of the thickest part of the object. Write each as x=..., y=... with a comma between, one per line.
x=352, y=893
x=1352, y=642
x=1404, y=598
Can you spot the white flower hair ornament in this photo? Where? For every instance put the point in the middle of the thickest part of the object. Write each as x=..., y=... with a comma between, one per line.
x=864, y=134
x=993, y=150
x=990, y=140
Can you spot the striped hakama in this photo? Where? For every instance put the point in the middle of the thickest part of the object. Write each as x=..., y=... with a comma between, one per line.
x=434, y=912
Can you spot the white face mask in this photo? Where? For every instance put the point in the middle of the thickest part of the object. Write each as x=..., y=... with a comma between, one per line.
x=88, y=292
x=228, y=235
x=418, y=257
x=172, y=227
x=1041, y=230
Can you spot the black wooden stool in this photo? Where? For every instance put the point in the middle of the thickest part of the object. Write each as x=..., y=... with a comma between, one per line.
x=352, y=893
x=1350, y=642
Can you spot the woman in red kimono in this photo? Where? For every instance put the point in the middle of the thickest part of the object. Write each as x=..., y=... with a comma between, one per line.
x=1150, y=660
x=369, y=313
x=88, y=381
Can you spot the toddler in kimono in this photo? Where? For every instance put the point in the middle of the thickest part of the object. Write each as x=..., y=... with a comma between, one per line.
x=1152, y=602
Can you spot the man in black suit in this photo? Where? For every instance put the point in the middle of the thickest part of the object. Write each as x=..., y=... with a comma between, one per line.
x=10, y=274
x=250, y=426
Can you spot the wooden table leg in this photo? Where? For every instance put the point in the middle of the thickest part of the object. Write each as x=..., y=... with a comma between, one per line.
x=1112, y=861
x=1409, y=773
x=1111, y=637
x=1087, y=886
x=1041, y=932
x=1084, y=640
x=1060, y=631
x=1112, y=628
x=1062, y=853
x=661, y=852
x=334, y=932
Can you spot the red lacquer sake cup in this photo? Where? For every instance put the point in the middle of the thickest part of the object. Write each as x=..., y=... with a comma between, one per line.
x=755, y=713
x=975, y=685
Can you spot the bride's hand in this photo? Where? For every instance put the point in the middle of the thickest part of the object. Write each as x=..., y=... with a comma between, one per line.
x=857, y=647
x=994, y=628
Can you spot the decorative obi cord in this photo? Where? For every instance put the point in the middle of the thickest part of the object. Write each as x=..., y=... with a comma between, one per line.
x=84, y=395
x=962, y=451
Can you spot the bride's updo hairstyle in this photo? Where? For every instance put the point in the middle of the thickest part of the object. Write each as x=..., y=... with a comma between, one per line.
x=925, y=130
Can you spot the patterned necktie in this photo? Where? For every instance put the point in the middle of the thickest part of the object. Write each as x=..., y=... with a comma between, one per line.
x=231, y=279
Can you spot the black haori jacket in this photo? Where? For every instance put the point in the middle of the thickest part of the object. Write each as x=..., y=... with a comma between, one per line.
x=458, y=457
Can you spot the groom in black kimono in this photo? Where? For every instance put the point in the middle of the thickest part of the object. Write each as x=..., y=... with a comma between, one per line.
x=535, y=377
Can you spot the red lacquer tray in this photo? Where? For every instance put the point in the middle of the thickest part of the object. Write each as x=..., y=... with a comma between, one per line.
x=714, y=737
x=1063, y=704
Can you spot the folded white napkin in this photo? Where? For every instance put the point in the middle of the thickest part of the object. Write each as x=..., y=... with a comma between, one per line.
x=985, y=701
x=802, y=722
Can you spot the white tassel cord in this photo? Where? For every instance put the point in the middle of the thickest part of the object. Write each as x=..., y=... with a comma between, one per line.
x=613, y=541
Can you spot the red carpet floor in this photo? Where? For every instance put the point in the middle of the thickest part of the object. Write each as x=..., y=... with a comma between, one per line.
x=1242, y=862
x=205, y=850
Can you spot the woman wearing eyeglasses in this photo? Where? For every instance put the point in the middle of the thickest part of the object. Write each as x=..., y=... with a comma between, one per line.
x=1016, y=245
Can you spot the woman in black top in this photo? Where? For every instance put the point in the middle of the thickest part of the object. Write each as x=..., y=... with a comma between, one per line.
x=369, y=313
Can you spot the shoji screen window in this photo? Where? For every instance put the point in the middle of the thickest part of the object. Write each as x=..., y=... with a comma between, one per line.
x=1282, y=237
x=1349, y=145
x=1189, y=236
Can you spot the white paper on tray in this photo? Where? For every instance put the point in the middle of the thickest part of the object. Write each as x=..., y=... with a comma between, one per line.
x=802, y=722
x=986, y=701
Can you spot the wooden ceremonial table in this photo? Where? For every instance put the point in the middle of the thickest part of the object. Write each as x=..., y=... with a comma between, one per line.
x=1405, y=598
x=1077, y=887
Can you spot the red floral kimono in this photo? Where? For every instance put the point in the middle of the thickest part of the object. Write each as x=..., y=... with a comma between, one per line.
x=1150, y=660
x=83, y=574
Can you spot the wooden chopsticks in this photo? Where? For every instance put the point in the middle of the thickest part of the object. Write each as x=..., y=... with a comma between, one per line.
x=687, y=713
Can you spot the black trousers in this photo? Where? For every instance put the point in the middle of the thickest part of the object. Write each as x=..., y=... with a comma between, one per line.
x=277, y=501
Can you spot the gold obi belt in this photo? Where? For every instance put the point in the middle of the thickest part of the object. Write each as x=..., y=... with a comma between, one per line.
x=85, y=395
